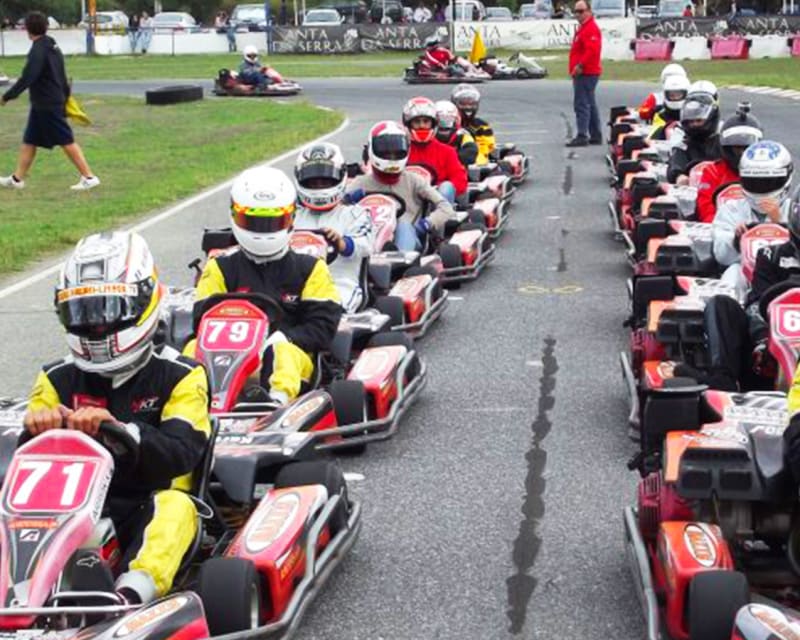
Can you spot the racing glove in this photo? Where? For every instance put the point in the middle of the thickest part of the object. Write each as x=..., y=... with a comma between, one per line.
x=764, y=364
x=422, y=226
x=353, y=197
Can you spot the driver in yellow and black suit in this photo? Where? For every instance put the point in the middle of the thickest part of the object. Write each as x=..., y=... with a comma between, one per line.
x=262, y=211
x=108, y=299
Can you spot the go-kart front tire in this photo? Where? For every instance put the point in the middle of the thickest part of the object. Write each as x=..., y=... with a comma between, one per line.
x=715, y=597
x=393, y=307
x=230, y=590
x=350, y=404
x=326, y=473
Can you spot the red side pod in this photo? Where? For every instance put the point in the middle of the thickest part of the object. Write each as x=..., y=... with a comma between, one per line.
x=467, y=241
x=376, y=368
x=684, y=549
x=412, y=291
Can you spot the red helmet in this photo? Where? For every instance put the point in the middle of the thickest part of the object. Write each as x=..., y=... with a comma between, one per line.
x=420, y=108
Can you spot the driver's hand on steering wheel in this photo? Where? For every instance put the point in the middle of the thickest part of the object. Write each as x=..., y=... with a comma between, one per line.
x=772, y=209
x=37, y=422
x=682, y=181
x=335, y=238
x=740, y=230
x=88, y=419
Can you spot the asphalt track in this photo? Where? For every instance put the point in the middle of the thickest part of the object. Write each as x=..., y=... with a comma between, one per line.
x=496, y=510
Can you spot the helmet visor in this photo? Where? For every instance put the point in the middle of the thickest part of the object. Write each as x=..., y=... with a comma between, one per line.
x=697, y=108
x=97, y=310
x=676, y=95
x=262, y=219
x=390, y=147
x=319, y=175
x=763, y=184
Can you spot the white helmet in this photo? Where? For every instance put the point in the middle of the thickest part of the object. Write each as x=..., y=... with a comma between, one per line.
x=676, y=88
x=262, y=211
x=250, y=53
x=108, y=298
x=388, y=147
x=705, y=86
x=321, y=176
x=672, y=69
x=448, y=120
x=765, y=173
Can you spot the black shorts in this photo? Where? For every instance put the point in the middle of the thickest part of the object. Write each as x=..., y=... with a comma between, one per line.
x=48, y=128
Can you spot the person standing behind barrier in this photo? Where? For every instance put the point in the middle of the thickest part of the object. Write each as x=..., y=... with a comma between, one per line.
x=44, y=75
x=133, y=31
x=145, y=31
x=585, y=69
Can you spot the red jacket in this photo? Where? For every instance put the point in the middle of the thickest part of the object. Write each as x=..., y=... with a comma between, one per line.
x=442, y=161
x=439, y=57
x=651, y=104
x=586, y=47
x=715, y=176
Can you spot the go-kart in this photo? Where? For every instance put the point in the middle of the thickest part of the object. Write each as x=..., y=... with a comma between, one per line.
x=526, y=67
x=227, y=83
x=461, y=71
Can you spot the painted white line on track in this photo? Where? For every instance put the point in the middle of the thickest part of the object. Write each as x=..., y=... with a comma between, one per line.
x=181, y=206
x=456, y=298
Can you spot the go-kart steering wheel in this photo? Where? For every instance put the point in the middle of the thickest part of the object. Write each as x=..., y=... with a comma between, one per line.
x=267, y=304
x=333, y=250
x=773, y=292
x=118, y=440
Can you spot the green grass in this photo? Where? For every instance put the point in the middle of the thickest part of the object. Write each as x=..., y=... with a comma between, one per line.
x=146, y=157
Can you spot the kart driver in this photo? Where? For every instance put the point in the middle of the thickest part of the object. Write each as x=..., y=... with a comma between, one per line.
x=438, y=57
x=262, y=211
x=450, y=131
x=654, y=101
x=468, y=99
x=699, y=124
x=737, y=134
x=449, y=175
x=676, y=88
x=766, y=176
x=388, y=151
x=737, y=336
x=108, y=299
x=251, y=70
x=321, y=178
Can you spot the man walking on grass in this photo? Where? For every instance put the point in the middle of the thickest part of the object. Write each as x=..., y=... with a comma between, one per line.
x=585, y=69
x=45, y=77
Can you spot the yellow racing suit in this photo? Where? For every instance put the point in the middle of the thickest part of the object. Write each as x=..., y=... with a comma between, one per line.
x=154, y=517
x=484, y=137
x=304, y=288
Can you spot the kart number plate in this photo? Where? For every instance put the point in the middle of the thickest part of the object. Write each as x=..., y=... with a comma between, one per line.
x=51, y=485
x=221, y=334
x=788, y=324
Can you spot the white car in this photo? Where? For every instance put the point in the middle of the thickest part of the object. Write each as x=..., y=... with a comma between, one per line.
x=322, y=18
x=167, y=21
x=107, y=21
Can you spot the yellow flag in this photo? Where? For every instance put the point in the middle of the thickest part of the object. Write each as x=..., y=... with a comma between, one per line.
x=478, y=49
x=76, y=112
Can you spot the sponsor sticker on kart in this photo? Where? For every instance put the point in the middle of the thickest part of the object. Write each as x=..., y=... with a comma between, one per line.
x=765, y=415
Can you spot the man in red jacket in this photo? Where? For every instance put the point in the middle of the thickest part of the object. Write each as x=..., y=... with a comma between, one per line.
x=585, y=69
x=449, y=175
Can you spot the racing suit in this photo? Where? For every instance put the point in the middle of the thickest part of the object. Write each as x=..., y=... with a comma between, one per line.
x=167, y=401
x=734, y=333
x=443, y=163
x=438, y=58
x=661, y=119
x=726, y=245
x=303, y=286
x=713, y=179
x=416, y=194
x=465, y=146
x=354, y=224
x=691, y=151
x=651, y=104
x=484, y=137
x=251, y=73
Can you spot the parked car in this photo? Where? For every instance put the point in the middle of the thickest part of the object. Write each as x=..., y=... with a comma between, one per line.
x=107, y=21
x=52, y=23
x=646, y=11
x=498, y=14
x=671, y=8
x=393, y=9
x=168, y=21
x=250, y=17
x=322, y=18
x=468, y=10
x=609, y=8
x=540, y=10
x=353, y=11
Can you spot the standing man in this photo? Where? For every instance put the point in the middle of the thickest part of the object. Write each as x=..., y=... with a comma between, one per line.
x=45, y=76
x=585, y=69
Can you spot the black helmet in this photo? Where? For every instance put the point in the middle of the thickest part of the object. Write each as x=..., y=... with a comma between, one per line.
x=794, y=220
x=700, y=115
x=739, y=132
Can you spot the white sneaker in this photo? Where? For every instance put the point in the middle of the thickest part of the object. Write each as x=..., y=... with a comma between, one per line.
x=86, y=183
x=11, y=182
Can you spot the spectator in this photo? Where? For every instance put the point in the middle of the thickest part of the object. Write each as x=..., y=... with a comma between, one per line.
x=221, y=22
x=44, y=75
x=585, y=69
x=145, y=31
x=282, y=13
x=419, y=13
x=6, y=24
x=734, y=9
x=476, y=14
x=133, y=31
x=688, y=11
x=439, y=15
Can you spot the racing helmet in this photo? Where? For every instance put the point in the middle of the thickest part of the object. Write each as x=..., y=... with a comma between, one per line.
x=793, y=221
x=262, y=211
x=108, y=299
x=250, y=53
x=448, y=120
x=700, y=114
x=420, y=108
x=388, y=147
x=705, y=86
x=432, y=41
x=321, y=176
x=765, y=173
x=671, y=70
x=676, y=88
x=738, y=132
x=468, y=99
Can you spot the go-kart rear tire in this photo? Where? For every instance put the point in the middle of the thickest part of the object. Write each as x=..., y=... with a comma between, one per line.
x=323, y=472
x=427, y=270
x=451, y=255
x=393, y=307
x=350, y=404
x=469, y=226
x=397, y=339
x=714, y=599
x=476, y=216
x=230, y=590
x=174, y=94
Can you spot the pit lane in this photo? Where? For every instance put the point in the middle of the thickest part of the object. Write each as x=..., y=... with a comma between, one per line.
x=496, y=510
